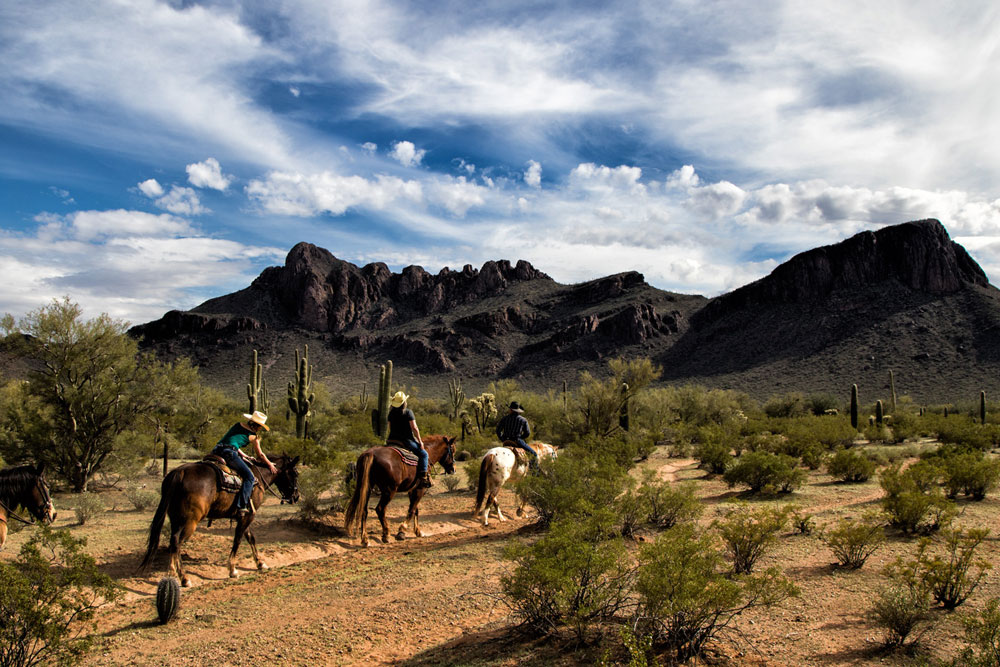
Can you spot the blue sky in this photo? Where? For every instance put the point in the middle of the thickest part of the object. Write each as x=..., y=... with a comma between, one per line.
x=155, y=154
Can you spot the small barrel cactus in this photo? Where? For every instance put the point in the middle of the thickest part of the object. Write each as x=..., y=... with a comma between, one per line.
x=168, y=598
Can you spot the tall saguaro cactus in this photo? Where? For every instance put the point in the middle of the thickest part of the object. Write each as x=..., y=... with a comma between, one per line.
x=892, y=390
x=300, y=398
x=380, y=415
x=879, y=412
x=854, y=407
x=982, y=407
x=257, y=388
x=456, y=395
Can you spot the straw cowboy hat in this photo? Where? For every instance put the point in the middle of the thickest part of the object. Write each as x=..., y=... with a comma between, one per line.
x=257, y=417
x=398, y=399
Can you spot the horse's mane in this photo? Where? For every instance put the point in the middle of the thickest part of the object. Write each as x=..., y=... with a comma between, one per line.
x=15, y=481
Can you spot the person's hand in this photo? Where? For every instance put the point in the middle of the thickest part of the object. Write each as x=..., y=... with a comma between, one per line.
x=274, y=471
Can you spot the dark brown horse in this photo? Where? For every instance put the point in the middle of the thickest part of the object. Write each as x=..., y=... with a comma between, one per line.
x=190, y=493
x=25, y=487
x=383, y=467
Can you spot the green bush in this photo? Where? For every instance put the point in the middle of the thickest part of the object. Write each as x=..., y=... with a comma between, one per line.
x=851, y=466
x=910, y=509
x=580, y=485
x=792, y=404
x=970, y=474
x=669, y=504
x=88, y=506
x=140, y=497
x=949, y=578
x=714, y=456
x=803, y=523
x=686, y=599
x=570, y=576
x=314, y=481
x=48, y=595
x=852, y=542
x=982, y=632
x=899, y=611
x=748, y=533
x=762, y=471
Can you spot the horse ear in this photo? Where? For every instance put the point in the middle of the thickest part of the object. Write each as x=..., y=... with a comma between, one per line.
x=295, y=461
x=40, y=468
x=451, y=441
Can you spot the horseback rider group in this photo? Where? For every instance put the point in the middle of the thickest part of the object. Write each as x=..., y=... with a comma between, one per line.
x=230, y=447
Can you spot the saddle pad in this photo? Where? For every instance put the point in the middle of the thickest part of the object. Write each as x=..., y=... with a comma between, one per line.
x=520, y=455
x=224, y=478
x=409, y=458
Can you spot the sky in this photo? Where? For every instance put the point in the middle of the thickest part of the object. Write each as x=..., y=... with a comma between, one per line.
x=154, y=154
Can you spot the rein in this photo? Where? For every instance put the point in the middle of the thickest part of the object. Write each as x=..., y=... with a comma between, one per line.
x=267, y=487
x=12, y=513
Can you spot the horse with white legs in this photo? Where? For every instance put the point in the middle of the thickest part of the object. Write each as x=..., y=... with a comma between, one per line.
x=499, y=466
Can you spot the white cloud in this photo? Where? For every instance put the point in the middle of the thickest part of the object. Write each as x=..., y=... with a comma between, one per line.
x=533, y=174
x=182, y=201
x=290, y=193
x=589, y=176
x=457, y=196
x=294, y=91
x=406, y=153
x=369, y=147
x=151, y=188
x=208, y=174
x=716, y=201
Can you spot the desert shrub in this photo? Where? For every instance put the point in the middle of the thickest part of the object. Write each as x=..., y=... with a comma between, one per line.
x=761, y=471
x=748, y=533
x=88, y=507
x=139, y=496
x=910, y=509
x=818, y=404
x=926, y=474
x=899, y=610
x=714, y=456
x=982, y=632
x=905, y=424
x=852, y=542
x=792, y=404
x=950, y=578
x=570, y=576
x=48, y=595
x=962, y=431
x=686, y=599
x=813, y=457
x=631, y=508
x=451, y=482
x=850, y=465
x=971, y=474
x=699, y=406
x=581, y=485
x=878, y=433
x=803, y=523
x=314, y=481
x=669, y=504
x=471, y=473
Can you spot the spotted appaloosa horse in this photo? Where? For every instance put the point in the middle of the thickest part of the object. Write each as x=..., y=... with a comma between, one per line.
x=25, y=487
x=383, y=467
x=499, y=466
x=190, y=493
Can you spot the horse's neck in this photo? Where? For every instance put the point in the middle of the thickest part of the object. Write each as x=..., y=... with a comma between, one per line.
x=435, y=452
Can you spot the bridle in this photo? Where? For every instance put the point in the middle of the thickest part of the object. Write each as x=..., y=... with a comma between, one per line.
x=268, y=487
x=45, y=509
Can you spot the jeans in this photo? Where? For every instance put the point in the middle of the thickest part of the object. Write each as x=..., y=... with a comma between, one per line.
x=523, y=445
x=421, y=456
x=236, y=463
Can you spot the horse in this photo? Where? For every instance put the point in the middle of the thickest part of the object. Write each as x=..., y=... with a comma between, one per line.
x=190, y=492
x=24, y=486
x=384, y=467
x=500, y=465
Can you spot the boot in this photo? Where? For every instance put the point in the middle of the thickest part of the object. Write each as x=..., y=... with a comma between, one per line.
x=425, y=482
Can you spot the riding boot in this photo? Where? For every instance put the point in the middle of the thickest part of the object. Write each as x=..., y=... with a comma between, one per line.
x=425, y=481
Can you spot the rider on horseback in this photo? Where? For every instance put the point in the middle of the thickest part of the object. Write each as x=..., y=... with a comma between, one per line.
x=513, y=429
x=229, y=448
x=403, y=431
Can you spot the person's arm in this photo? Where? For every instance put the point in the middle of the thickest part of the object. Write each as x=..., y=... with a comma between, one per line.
x=525, y=430
x=261, y=456
x=416, y=432
x=499, y=426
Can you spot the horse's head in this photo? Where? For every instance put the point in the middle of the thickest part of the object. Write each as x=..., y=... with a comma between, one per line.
x=39, y=502
x=287, y=479
x=448, y=460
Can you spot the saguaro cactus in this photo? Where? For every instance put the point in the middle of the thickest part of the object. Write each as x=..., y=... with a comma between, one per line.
x=982, y=407
x=623, y=410
x=892, y=391
x=300, y=398
x=854, y=406
x=380, y=415
x=456, y=395
x=257, y=388
x=879, y=412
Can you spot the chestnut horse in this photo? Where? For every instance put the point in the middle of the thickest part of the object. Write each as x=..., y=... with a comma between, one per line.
x=190, y=492
x=24, y=486
x=499, y=466
x=383, y=467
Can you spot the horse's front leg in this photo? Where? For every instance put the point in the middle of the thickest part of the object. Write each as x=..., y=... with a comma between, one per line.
x=242, y=526
x=384, y=499
x=496, y=505
x=261, y=565
x=411, y=515
x=3, y=534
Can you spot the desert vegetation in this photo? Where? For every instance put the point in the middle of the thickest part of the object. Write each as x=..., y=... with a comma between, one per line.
x=625, y=562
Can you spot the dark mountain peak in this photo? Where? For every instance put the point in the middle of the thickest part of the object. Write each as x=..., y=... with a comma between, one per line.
x=917, y=255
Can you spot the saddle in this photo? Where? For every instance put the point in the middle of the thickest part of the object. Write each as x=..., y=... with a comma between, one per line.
x=522, y=457
x=409, y=458
x=224, y=477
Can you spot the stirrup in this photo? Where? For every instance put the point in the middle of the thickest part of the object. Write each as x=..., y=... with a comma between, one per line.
x=425, y=482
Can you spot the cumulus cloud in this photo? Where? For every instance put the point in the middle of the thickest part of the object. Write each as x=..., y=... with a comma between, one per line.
x=292, y=193
x=151, y=188
x=589, y=176
x=533, y=174
x=406, y=153
x=457, y=196
x=182, y=201
x=369, y=147
x=208, y=174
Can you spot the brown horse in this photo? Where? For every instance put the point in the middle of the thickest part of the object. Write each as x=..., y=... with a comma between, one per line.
x=25, y=487
x=383, y=467
x=190, y=492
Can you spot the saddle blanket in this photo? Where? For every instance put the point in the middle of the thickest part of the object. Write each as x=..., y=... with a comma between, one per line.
x=409, y=458
x=522, y=457
x=225, y=479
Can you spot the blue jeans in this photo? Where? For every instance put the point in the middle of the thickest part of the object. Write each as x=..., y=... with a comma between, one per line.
x=523, y=445
x=236, y=463
x=421, y=455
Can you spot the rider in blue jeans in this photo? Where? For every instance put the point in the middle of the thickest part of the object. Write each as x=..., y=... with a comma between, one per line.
x=229, y=448
x=403, y=431
x=514, y=428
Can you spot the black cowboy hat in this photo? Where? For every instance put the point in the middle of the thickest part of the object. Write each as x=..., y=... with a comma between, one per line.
x=515, y=407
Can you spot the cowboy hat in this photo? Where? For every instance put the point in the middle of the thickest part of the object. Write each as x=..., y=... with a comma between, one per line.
x=515, y=407
x=257, y=417
x=398, y=399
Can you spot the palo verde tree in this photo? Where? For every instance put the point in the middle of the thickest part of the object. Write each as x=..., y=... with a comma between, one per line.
x=91, y=384
x=602, y=401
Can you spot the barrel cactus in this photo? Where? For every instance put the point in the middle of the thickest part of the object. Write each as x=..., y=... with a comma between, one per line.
x=168, y=598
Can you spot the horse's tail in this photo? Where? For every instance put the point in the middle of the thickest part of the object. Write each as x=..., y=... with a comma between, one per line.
x=359, y=501
x=166, y=493
x=484, y=471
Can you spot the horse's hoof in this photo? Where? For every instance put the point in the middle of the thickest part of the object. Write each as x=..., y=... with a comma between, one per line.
x=185, y=582
x=364, y=545
x=420, y=533
x=400, y=537
x=233, y=574
x=520, y=513
x=263, y=567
